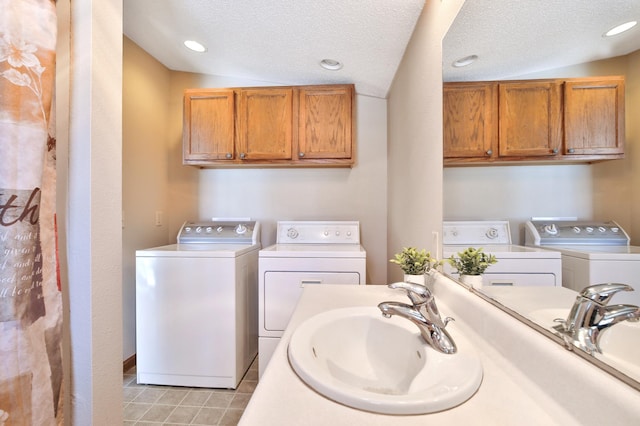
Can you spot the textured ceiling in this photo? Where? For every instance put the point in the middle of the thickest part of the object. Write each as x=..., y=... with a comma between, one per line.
x=282, y=41
x=279, y=41
x=512, y=37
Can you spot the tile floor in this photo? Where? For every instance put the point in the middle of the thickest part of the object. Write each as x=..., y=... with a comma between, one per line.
x=146, y=405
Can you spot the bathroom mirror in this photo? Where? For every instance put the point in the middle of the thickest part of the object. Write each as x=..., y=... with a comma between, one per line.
x=539, y=306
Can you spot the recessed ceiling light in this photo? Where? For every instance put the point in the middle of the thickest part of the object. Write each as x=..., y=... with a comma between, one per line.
x=195, y=46
x=463, y=62
x=330, y=64
x=620, y=28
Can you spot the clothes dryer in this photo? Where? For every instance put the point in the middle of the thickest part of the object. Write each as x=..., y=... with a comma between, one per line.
x=305, y=253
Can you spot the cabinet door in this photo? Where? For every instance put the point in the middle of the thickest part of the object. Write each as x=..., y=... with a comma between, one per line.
x=325, y=122
x=594, y=116
x=530, y=119
x=208, y=125
x=470, y=119
x=265, y=121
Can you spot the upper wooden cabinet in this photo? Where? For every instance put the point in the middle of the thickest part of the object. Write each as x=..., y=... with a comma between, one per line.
x=470, y=120
x=530, y=120
x=578, y=119
x=325, y=122
x=594, y=116
x=265, y=123
x=269, y=126
x=208, y=125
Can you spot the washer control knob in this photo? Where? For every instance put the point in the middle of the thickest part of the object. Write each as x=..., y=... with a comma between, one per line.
x=219, y=229
x=602, y=229
x=492, y=233
x=337, y=233
x=325, y=233
x=209, y=229
x=241, y=229
x=198, y=229
x=187, y=229
x=348, y=233
x=615, y=229
x=551, y=229
x=292, y=233
x=576, y=229
x=589, y=229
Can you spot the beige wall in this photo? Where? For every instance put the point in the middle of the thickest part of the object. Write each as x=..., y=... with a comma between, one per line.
x=601, y=191
x=415, y=137
x=145, y=112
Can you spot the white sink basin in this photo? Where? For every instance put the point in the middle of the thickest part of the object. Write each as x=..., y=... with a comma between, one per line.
x=356, y=357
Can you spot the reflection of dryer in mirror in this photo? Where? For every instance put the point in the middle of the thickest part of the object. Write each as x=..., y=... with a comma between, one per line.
x=517, y=265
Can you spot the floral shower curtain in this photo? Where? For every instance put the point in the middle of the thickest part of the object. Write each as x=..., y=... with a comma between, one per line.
x=30, y=295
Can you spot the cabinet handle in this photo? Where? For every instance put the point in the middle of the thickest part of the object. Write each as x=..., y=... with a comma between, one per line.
x=301, y=154
x=571, y=150
x=228, y=156
x=555, y=150
x=242, y=155
x=490, y=152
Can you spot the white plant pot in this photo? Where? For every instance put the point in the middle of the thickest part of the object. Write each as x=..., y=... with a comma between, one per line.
x=473, y=281
x=415, y=279
x=426, y=280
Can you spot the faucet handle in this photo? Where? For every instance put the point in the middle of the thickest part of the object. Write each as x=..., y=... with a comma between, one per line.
x=417, y=293
x=602, y=293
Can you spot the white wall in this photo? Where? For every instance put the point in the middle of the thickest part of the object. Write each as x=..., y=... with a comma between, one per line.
x=517, y=193
x=269, y=195
x=415, y=137
x=89, y=107
x=633, y=141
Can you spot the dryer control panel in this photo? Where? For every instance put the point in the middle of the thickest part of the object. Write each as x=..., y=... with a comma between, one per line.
x=318, y=232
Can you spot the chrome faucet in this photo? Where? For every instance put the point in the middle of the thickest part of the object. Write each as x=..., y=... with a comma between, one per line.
x=591, y=314
x=423, y=312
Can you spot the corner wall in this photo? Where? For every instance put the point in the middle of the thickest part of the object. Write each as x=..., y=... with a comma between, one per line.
x=415, y=137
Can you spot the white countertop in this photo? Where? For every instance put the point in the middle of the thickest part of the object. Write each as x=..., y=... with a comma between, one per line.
x=507, y=396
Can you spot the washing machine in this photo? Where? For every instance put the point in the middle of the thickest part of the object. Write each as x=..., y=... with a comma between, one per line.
x=305, y=253
x=593, y=252
x=196, y=306
x=517, y=265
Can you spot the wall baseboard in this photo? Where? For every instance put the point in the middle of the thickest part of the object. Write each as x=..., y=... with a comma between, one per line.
x=129, y=363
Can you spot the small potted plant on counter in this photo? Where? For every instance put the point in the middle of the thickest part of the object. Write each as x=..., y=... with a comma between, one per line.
x=415, y=264
x=470, y=264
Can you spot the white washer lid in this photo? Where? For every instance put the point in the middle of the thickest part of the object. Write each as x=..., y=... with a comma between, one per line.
x=198, y=250
x=588, y=252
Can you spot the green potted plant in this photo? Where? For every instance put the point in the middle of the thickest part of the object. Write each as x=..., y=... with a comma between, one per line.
x=470, y=264
x=415, y=263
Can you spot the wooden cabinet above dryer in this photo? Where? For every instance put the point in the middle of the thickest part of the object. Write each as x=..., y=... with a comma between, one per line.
x=300, y=126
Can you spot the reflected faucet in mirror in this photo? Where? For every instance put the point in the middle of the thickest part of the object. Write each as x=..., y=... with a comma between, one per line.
x=591, y=314
x=423, y=312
